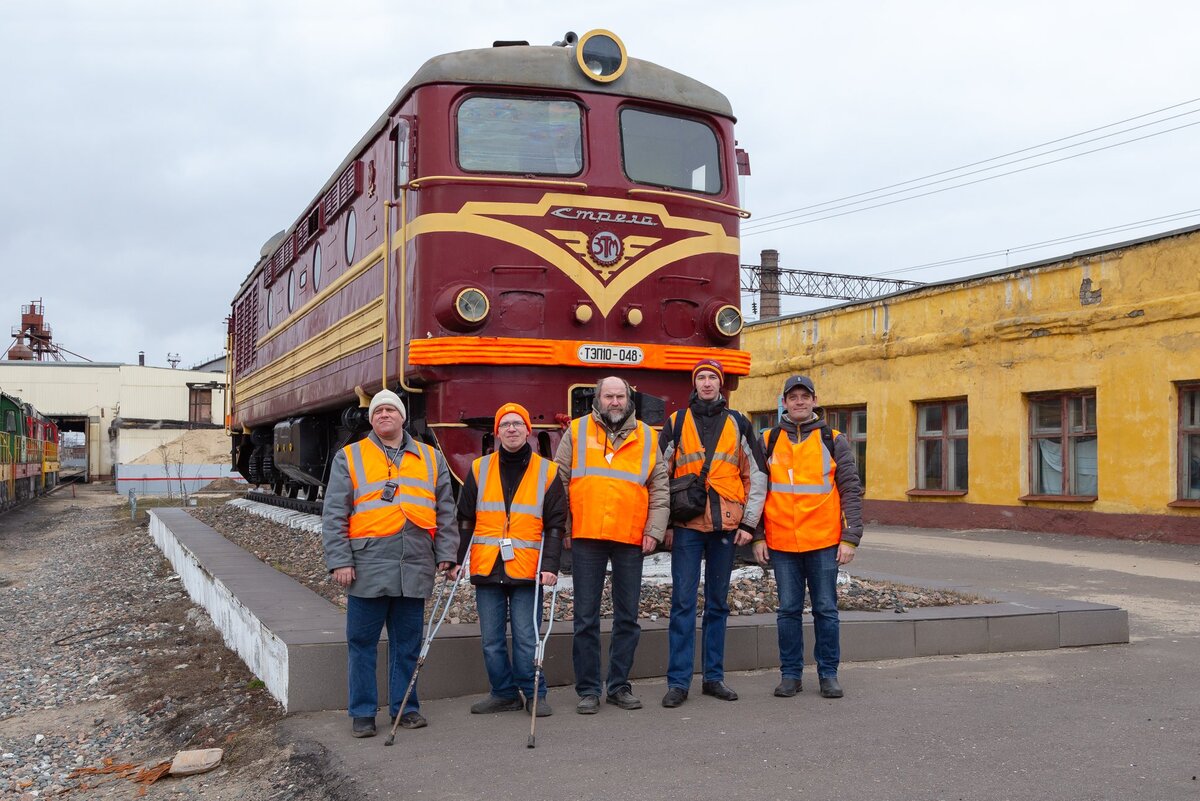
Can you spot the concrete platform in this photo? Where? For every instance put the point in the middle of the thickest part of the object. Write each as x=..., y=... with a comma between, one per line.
x=293, y=639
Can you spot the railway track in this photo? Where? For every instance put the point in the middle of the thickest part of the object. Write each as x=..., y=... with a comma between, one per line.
x=282, y=501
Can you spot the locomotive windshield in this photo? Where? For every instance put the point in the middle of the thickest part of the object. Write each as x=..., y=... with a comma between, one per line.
x=670, y=151
x=516, y=135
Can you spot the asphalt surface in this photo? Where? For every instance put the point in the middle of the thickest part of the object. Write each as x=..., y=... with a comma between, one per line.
x=1110, y=722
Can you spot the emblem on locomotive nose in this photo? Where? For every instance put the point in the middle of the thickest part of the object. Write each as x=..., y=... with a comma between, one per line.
x=605, y=248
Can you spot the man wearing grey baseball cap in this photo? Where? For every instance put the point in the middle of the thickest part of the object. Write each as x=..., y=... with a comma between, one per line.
x=812, y=525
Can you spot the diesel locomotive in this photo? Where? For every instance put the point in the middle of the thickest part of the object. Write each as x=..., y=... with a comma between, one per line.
x=521, y=221
x=28, y=451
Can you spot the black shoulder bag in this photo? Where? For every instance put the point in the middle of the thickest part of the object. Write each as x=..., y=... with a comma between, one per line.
x=689, y=494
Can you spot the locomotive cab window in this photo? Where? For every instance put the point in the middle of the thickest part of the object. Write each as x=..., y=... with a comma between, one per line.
x=662, y=150
x=520, y=135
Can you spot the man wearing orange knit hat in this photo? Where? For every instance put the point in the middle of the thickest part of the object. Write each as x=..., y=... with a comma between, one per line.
x=511, y=513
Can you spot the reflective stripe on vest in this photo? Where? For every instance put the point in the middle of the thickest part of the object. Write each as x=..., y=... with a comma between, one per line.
x=609, y=499
x=521, y=522
x=416, y=489
x=724, y=474
x=803, y=511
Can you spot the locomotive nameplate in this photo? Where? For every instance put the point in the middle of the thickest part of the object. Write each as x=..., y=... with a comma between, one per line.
x=610, y=354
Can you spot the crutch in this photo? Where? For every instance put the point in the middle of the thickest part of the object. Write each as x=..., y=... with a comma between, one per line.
x=443, y=604
x=540, y=651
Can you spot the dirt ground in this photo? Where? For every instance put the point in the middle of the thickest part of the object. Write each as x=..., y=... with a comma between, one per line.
x=161, y=679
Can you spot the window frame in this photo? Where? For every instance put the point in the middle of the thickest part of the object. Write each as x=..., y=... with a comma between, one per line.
x=1188, y=390
x=581, y=108
x=716, y=134
x=1063, y=434
x=855, y=438
x=947, y=437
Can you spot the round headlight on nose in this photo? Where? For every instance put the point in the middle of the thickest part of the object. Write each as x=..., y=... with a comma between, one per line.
x=471, y=305
x=601, y=56
x=725, y=321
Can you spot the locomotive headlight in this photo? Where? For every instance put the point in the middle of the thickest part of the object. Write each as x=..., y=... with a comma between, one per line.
x=601, y=56
x=728, y=321
x=472, y=305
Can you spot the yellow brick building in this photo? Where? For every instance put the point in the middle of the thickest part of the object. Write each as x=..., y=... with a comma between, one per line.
x=1058, y=396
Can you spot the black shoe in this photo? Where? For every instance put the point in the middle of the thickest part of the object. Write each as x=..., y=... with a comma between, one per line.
x=675, y=697
x=624, y=699
x=588, y=705
x=413, y=720
x=495, y=704
x=544, y=710
x=788, y=687
x=717, y=689
x=830, y=688
x=363, y=727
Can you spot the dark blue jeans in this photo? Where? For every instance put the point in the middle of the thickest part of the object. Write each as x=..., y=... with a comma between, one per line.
x=818, y=569
x=688, y=549
x=589, y=558
x=499, y=604
x=365, y=619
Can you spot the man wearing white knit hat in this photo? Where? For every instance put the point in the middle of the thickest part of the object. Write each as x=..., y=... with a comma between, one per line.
x=388, y=520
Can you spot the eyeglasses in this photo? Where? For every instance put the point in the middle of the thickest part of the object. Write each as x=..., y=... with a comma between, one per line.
x=512, y=424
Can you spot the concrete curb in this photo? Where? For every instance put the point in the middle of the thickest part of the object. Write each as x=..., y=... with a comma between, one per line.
x=294, y=640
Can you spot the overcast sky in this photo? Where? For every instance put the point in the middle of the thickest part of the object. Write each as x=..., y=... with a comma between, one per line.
x=149, y=148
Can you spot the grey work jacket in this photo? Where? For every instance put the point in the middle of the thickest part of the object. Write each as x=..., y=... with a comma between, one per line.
x=402, y=564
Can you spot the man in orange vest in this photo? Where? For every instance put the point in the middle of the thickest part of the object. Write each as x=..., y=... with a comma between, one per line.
x=388, y=520
x=717, y=446
x=617, y=491
x=515, y=507
x=813, y=523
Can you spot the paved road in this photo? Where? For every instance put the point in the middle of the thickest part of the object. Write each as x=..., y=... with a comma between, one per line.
x=1113, y=722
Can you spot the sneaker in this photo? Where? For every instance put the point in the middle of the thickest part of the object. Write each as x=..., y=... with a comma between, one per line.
x=788, y=687
x=675, y=697
x=413, y=720
x=718, y=689
x=544, y=710
x=624, y=699
x=363, y=727
x=588, y=705
x=830, y=688
x=495, y=704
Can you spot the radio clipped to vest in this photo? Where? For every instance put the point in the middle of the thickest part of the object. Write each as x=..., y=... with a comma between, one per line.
x=389, y=491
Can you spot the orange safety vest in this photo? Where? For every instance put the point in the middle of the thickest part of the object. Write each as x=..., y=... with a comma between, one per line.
x=803, y=510
x=521, y=522
x=724, y=473
x=415, y=478
x=609, y=499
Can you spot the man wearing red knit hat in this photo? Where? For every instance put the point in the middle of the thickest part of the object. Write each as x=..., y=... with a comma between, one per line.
x=511, y=513
x=712, y=448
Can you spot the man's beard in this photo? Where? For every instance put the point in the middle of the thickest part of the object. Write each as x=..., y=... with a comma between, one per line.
x=615, y=418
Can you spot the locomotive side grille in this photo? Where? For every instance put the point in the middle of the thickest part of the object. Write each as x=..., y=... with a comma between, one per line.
x=245, y=325
x=345, y=189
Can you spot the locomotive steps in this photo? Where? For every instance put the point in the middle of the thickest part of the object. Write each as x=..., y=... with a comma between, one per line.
x=294, y=640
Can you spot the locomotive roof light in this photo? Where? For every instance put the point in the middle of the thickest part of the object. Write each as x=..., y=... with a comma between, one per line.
x=601, y=56
x=471, y=305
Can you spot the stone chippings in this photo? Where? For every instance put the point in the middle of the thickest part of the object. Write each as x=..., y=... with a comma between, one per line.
x=299, y=555
x=104, y=658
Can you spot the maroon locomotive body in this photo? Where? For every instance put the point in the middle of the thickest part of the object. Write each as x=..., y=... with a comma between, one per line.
x=520, y=222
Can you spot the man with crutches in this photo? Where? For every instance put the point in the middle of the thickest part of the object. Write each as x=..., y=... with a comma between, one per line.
x=512, y=510
x=387, y=524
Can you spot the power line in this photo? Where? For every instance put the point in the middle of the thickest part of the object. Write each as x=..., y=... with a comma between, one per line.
x=762, y=219
x=1176, y=217
x=967, y=183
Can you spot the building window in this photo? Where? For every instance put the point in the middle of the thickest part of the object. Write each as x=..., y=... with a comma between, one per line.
x=200, y=406
x=1189, y=442
x=1062, y=442
x=942, y=446
x=852, y=421
x=761, y=421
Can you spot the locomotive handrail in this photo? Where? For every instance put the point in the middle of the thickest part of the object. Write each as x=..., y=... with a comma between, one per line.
x=417, y=183
x=745, y=215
